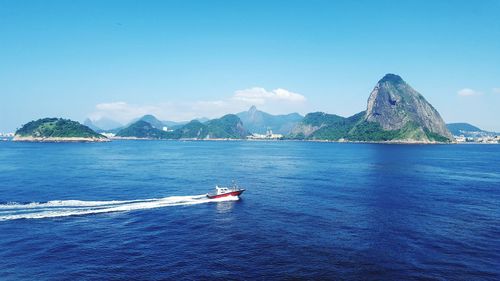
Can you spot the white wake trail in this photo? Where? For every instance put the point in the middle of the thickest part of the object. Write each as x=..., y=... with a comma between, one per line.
x=64, y=208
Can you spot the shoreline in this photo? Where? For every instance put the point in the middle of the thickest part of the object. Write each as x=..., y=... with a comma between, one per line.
x=288, y=140
x=58, y=139
x=97, y=140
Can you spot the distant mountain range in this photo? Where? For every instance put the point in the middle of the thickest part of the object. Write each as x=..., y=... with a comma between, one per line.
x=227, y=127
x=260, y=122
x=102, y=124
x=468, y=130
x=395, y=112
x=105, y=125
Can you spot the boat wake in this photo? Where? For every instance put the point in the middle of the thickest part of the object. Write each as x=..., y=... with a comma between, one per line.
x=65, y=208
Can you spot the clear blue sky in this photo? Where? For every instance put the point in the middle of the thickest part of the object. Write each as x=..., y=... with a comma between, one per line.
x=77, y=59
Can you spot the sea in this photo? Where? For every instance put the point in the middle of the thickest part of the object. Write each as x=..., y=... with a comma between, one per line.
x=137, y=210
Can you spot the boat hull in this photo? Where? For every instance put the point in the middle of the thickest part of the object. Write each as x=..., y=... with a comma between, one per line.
x=232, y=193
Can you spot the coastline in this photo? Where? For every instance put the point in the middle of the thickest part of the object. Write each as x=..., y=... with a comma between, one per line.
x=81, y=139
x=290, y=140
x=58, y=139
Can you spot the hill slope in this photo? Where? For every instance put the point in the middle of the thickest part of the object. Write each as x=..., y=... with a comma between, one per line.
x=395, y=105
x=257, y=121
x=226, y=127
x=141, y=129
x=56, y=129
x=468, y=130
x=395, y=112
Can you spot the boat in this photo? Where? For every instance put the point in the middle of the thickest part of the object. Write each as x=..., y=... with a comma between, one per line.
x=221, y=191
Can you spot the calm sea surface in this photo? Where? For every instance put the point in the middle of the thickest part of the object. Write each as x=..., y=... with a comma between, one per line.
x=135, y=210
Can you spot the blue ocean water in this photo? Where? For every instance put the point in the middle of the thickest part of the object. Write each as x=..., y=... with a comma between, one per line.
x=135, y=210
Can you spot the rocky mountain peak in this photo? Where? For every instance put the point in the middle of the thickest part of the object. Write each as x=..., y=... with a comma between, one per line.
x=252, y=109
x=394, y=104
x=392, y=78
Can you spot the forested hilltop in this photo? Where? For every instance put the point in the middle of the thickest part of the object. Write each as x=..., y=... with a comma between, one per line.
x=56, y=129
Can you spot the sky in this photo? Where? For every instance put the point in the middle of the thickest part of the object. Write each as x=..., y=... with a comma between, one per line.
x=186, y=59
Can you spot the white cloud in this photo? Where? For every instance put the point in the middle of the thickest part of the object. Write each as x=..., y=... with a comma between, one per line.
x=466, y=92
x=258, y=96
x=496, y=90
x=121, y=111
x=277, y=101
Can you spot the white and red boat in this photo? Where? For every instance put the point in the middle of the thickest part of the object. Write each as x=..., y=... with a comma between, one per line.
x=225, y=192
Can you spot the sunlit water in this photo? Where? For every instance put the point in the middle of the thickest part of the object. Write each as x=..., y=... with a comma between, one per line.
x=137, y=210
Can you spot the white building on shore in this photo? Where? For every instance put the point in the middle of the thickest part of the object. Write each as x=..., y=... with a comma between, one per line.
x=268, y=136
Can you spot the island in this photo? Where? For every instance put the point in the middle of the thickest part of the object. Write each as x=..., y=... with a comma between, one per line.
x=57, y=130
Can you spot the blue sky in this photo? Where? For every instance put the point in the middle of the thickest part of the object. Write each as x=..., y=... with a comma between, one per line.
x=185, y=59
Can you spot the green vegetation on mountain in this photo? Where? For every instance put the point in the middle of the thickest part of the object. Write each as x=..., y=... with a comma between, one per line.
x=323, y=126
x=192, y=130
x=395, y=105
x=226, y=127
x=153, y=121
x=56, y=128
x=257, y=121
x=372, y=131
x=395, y=112
x=142, y=129
x=461, y=128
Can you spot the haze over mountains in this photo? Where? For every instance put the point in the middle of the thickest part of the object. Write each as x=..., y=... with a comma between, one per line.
x=469, y=131
x=395, y=112
x=260, y=122
x=227, y=127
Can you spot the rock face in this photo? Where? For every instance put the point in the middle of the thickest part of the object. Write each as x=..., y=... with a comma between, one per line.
x=395, y=113
x=394, y=104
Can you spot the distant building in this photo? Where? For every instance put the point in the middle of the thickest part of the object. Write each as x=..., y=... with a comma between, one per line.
x=108, y=135
x=268, y=136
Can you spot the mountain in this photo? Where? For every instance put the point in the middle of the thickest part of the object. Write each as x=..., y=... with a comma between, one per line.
x=395, y=112
x=257, y=121
x=468, y=130
x=226, y=127
x=56, y=129
x=395, y=105
x=142, y=129
x=192, y=130
x=202, y=120
x=153, y=121
x=91, y=125
x=159, y=124
x=458, y=129
x=323, y=126
x=102, y=124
